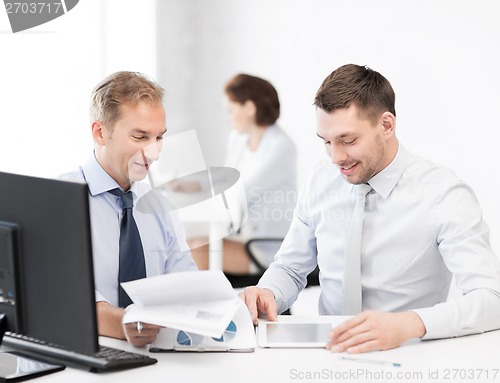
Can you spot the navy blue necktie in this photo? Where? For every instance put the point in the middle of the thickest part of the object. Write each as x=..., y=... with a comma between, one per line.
x=132, y=264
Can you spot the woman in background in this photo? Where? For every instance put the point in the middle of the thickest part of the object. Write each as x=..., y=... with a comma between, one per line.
x=267, y=161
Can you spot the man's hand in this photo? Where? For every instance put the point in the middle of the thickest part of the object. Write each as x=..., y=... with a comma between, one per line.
x=372, y=330
x=260, y=301
x=140, y=334
x=109, y=320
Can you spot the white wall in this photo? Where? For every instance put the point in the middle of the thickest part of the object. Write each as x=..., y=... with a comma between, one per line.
x=44, y=94
x=441, y=57
x=47, y=74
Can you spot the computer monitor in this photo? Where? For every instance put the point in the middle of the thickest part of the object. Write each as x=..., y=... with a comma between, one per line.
x=46, y=268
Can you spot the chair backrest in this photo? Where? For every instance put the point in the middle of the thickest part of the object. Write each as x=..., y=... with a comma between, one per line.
x=257, y=248
x=254, y=247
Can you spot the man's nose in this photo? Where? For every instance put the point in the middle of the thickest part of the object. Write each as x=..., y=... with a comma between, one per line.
x=337, y=154
x=152, y=151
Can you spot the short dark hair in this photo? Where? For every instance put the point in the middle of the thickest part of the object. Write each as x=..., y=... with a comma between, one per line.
x=122, y=88
x=354, y=84
x=244, y=87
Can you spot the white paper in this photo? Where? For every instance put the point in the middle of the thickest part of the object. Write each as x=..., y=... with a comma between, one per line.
x=202, y=302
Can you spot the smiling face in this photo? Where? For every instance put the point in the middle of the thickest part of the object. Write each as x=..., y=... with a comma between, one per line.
x=134, y=142
x=360, y=147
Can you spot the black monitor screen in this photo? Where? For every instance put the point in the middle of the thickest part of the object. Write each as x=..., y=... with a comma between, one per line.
x=46, y=246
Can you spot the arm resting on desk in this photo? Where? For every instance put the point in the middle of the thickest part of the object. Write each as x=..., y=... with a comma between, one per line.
x=373, y=330
x=472, y=313
x=109, y=321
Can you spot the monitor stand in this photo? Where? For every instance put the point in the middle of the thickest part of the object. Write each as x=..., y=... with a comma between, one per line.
x=16, y=367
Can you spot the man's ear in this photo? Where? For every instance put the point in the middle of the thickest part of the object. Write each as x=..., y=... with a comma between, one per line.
x=98, y=132
x=388, y=121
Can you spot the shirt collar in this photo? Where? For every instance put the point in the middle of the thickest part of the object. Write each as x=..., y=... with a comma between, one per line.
x=386, y=180
x=98, y=180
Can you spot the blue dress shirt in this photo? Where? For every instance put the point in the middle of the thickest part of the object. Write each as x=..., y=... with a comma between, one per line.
x=422, y=226
x=162, y=233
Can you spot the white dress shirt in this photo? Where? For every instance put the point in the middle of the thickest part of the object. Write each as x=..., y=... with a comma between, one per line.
x=269, y=177
x=422, y=225
x=162, y=234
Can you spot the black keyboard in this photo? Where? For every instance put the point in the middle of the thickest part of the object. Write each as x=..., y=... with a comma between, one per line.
x=106, y=359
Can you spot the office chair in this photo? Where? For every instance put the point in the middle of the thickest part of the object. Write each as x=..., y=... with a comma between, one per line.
x=244, y=280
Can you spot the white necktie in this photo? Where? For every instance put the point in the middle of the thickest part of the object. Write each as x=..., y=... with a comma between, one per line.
x=352, y=261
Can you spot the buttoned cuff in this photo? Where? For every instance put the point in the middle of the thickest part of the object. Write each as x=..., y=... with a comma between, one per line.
x=436, y=326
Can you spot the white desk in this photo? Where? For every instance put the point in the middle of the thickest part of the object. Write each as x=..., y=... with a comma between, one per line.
x=205, y=216
x=472, y=358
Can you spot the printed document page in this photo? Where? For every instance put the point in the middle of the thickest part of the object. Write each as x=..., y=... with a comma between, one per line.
x=202, y=302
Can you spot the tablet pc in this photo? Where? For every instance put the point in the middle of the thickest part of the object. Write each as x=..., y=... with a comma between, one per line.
x=292, y=334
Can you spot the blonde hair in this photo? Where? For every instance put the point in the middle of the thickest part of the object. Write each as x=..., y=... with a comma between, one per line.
x=122, y=88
